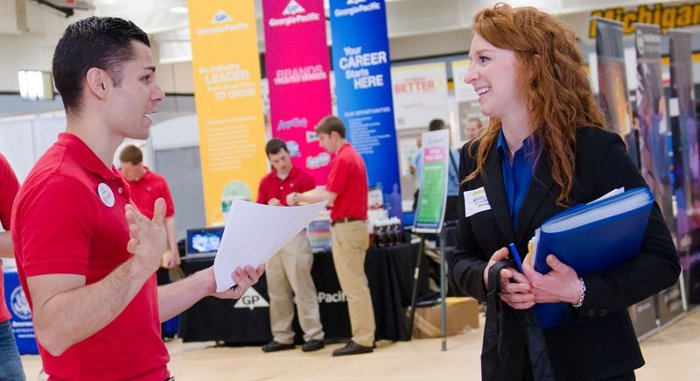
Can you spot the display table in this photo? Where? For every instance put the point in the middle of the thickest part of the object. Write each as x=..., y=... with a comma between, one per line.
x=247, y=321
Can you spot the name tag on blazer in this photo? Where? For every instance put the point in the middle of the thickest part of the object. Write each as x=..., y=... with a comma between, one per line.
x=475, y=201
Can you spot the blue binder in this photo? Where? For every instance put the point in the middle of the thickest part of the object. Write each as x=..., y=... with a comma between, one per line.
x=609, y=233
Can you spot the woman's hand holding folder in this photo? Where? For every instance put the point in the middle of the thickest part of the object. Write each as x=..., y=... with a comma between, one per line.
x=559, y=285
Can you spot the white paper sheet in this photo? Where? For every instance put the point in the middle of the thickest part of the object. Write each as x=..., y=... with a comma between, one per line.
x=255, y=232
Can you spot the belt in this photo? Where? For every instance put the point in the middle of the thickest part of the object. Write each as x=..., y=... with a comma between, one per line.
x=345, y=220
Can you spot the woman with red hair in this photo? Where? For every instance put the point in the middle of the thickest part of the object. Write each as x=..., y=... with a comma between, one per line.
x=546, y=148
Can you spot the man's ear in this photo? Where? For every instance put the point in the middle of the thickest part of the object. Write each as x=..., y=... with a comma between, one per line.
x=96, y=82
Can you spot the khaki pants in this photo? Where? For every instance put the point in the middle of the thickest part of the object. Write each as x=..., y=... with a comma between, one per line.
x=289, y=282
x=350, y=242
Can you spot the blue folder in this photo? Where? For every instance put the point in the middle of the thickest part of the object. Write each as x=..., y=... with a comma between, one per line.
x=595, y=243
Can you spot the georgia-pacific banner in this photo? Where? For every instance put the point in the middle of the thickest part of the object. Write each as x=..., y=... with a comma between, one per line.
x=226, y=70
x=298, y=67
x=361, y=64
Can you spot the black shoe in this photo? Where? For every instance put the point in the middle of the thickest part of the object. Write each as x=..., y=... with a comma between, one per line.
x=274, y=346
x=352, y=348
x=312, y=345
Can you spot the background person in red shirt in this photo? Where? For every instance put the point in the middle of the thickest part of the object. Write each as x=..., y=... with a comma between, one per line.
x=86, y=256
x=10, y=363
x=146, y=187
x=346, y=193
x=289, y=270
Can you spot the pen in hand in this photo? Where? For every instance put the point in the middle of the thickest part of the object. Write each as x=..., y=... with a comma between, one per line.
x=516, y=256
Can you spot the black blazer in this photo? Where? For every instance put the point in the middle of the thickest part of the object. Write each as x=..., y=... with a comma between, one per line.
x=600, y=342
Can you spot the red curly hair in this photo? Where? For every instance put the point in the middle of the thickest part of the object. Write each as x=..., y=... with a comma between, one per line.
x=557, y=91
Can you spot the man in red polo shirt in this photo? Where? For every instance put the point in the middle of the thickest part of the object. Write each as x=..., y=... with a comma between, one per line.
x=10, y=363
x=146, y=187
x=86, y=256
x=346, y=192
x=289, y=270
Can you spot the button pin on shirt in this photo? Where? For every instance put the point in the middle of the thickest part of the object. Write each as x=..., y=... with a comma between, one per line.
x=106, y=194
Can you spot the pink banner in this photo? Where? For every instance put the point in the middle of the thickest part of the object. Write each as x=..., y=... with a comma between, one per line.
x=298, y=65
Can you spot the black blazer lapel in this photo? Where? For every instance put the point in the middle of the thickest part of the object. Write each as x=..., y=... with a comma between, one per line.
x=540, y=186
x=496, y=193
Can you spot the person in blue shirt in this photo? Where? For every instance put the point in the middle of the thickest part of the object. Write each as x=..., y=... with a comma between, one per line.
x=546, y=148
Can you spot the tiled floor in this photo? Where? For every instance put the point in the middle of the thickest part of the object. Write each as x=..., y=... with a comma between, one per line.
x=672, y=354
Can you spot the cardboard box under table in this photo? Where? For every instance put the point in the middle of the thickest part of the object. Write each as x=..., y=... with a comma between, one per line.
x=462, y=312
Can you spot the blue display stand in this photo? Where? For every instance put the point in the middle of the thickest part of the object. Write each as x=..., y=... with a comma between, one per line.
x=22, y=325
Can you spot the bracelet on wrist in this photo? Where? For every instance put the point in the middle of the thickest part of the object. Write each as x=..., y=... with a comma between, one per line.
x=581, y=295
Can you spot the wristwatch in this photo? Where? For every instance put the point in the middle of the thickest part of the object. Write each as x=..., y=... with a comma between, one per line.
x=295, y=198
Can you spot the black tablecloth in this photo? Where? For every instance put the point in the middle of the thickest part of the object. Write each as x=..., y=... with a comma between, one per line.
x=247, y=321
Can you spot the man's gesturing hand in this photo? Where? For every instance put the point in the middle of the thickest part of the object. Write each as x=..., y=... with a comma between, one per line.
x=147, y=238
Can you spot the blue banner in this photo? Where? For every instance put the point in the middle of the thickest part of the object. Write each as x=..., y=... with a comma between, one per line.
x=22, y=325
x=361, y=64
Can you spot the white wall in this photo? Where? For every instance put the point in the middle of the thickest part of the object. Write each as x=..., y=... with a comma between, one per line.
x=22, y=52
x=25, y=138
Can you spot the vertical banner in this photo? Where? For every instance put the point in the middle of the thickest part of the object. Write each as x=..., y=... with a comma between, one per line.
x=612, y=83
x=420, y=95
x=653, y=150
x=653, y=128
x=466, y=98
x=226, y=69
x=298, y=64
x=686, y=166
x=361, y=64
x=431, y=201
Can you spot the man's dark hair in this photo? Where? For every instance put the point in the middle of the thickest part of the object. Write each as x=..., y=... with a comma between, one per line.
x=436, y=124
x=274, y=146
x=131, y=154
x=101, y=42
x=329, y=124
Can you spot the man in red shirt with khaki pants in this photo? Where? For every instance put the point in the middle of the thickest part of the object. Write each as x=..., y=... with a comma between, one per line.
x=346, y=193
x=289, y=270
